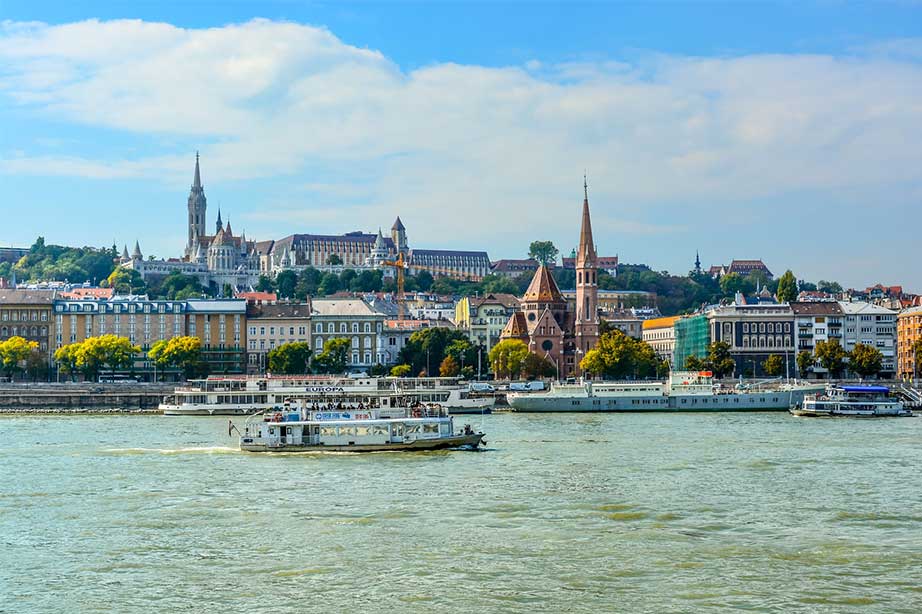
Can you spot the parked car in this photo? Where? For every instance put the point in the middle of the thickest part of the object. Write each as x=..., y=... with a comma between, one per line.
x=480, y=387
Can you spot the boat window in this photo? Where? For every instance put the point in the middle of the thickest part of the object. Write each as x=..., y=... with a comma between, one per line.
x=378, y=429
x=431, y=428
x=328, y=431
x=412, y=428
x=347, y=431
x=361, y=431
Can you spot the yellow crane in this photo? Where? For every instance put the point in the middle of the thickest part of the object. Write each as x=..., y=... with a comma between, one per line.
x=400, y=265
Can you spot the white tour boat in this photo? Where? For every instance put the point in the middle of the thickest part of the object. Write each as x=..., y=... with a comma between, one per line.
x=852, y=402
x=683, y=391
x=387, y=428
x=243, y=395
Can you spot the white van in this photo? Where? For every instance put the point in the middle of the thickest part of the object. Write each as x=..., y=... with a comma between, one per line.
x=480, y=387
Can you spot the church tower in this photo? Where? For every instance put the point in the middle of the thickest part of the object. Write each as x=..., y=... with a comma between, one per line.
x=196, y=206
x=586, y=326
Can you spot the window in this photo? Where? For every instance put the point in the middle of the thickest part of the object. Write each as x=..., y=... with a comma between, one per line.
x=355, y=343
x=745, y=327
x=355, y=327
x=342, y=327
x=318, y=343
x=367, y=327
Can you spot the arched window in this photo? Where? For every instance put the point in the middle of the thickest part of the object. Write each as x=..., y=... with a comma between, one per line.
x=355, y=343
x=771, y=342
x=367, y=342
x=318, y=343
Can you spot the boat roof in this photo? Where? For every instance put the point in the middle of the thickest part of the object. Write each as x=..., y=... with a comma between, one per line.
x=865, y=389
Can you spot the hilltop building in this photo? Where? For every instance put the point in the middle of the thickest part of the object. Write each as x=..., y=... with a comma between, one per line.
x=743, y=268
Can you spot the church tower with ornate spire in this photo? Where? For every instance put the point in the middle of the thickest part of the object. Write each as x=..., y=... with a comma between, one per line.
x=196, y=208
x=586, y=325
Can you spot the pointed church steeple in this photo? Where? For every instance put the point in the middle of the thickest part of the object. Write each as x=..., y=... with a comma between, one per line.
x=197, y=179
x=125, y=253
x=196, y=208
x=586, y=255
x=697, y=262
x=219, y=226
x=136, y=254
x=586, y=325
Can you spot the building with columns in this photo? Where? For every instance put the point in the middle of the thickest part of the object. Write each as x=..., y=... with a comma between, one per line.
x=558, y=330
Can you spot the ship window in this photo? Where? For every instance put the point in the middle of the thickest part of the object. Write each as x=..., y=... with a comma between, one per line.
x=347, y=431
x=361, y=431
x=328, y=431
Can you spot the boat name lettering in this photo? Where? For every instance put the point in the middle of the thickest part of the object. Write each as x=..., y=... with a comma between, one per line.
x=325, y=389
x=332, y=415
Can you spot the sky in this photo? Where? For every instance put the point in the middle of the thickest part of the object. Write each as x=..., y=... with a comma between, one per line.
x=786, y=131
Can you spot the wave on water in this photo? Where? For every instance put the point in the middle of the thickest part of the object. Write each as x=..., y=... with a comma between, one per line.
x=203, y=450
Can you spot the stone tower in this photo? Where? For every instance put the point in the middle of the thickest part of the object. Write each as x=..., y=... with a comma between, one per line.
x=399, y=237
x=586, y=325
x=197, y=206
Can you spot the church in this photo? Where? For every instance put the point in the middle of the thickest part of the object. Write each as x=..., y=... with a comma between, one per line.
x=554, y=328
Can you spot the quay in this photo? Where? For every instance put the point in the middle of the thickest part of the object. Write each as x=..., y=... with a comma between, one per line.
x=87, y=397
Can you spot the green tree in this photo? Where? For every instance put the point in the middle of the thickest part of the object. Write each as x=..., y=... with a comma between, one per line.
x=449, y=367
x=334, y=260
x=126, y=281
x=462, y=350
x=13, y=352
x=184, y=353
x=334, y=357
x=507, y=357
x=773, y=365
x=543, y=251
x=227, y=291
x=693, y=363
x=787, y=288
x=865, y=360
x=731, y=283
x=426, y=349
x=176, y=286
x=290, y=358
x=534, y=367
x=719, y=360
x=619, y=356
x=498, y=284
x=832, y=287
x=264, y=284
x=308, y=283
x=831, y=356
x=329, y=284
x=805, y=362
x=400, y=371
x=444, y=286
x=286, y=281
x=424, y=279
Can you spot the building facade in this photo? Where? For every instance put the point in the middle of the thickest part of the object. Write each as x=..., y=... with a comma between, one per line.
x=755, y=332
x=352, y=319
x=871, y=325
x=909, y=331
x=270, y=325
x=692, y=337
x=28, y=314
x=483, y=318
x=659, y=334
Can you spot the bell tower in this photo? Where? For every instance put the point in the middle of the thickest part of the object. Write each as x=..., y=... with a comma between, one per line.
x=586, y=326
x=196, y=208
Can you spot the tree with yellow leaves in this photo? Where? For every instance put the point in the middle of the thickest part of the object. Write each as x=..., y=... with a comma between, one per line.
x=14, y=351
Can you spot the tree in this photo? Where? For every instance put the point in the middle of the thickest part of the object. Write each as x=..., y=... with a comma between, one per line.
x=400, y=371
x=227, y=291
x=285, y=281
x=14, y=351
x=449, y=367
x=543, y=251
x=424, y=279
x=462, y=350
x=832, y=287
x=264, y=284
x=534, y=367
x=109, y=351
x=66, y=357
x=184, y=353
x=507, y=356
x=334, y=357
x=805, y=362
x=329, y=284
x=831, y=356
x=308, y=283
x=787, y=288
x=693, y=363
x=773, y=365
x=731, y=283
x=620, y=356
x=865, y=360
x=126, y=281
x=917, y=357
x=334, y=260
x=290, y=358
x=426, y=349
x=719, y=360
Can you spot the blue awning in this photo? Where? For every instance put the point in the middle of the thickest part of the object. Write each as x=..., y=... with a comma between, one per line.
x=868, y=389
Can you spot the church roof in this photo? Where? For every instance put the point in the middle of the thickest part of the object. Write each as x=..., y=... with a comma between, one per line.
x=398, y=225
x=197, y=179
x=516, y=327
x=543, y=288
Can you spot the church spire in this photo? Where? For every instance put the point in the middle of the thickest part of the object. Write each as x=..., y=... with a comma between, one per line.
x=218, y=225
x=586, y=255
x=697, y=262
x=197, y=179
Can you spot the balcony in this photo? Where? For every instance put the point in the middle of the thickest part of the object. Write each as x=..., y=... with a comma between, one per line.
x=804, y=335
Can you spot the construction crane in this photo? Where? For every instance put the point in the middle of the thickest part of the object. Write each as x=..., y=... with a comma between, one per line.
x=400, y=265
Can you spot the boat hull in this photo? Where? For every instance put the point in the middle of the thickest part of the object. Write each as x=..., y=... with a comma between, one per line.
x=176, y=410
x=811, y=413
x=741, y=402
x=472, y=441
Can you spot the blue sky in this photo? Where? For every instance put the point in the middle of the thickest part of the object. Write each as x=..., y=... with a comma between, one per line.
x=743, y=130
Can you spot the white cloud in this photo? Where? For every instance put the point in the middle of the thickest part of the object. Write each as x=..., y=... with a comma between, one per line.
x=453, y=143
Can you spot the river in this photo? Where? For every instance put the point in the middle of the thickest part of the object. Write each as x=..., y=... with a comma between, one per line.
x=582, y=513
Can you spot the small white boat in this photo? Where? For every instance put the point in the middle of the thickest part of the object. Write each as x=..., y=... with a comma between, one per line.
x=852, y=402
x=363, y=430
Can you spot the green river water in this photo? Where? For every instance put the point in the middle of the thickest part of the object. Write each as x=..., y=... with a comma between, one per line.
x=757, y=512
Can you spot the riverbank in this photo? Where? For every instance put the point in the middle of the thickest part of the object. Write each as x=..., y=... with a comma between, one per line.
x=68, y=398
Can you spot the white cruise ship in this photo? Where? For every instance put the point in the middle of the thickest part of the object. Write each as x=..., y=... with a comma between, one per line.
x=242, y=395
x=683, y=391
x=852, y=402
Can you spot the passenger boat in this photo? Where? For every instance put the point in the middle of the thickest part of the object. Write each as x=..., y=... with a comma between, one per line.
x=691, y=391
x=852, y=402
x=242, y=395
x=388, y=428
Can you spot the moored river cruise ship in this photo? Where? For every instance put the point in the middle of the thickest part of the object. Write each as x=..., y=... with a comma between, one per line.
x=682, y=391
x=852, y=402
x=387, y=428
x=242, y=395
